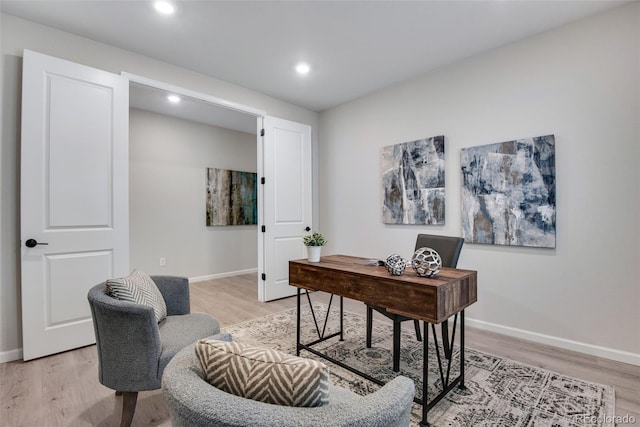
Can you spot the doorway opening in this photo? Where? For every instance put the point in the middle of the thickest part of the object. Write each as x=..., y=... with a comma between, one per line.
x=172, y=144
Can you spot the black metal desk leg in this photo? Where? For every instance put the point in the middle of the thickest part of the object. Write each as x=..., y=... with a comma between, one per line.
x=341, y=319
x=396, y=345
x=425, y=374
x=298, y=324
x=461, y=386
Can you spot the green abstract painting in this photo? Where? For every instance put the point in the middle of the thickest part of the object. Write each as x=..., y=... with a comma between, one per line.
x=232, y=197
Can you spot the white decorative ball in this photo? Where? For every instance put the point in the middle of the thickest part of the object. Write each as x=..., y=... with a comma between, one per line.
x=395, y=264
x=426, y=262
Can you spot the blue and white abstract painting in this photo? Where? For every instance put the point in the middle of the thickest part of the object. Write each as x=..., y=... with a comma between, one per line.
x=509, y=193
x=413, y=182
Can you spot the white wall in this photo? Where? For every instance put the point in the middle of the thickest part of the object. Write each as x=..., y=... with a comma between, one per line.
x=580, y=83
x=169, y=158
x=15, y=36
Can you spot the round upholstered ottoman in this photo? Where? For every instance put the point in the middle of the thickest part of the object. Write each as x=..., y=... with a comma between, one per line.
x=194, y=402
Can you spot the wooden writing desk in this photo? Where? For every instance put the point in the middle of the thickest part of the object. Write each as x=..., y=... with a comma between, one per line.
x=430, y=300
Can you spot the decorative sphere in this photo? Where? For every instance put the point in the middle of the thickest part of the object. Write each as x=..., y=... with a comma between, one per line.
x=426, y=262
x=395, y=264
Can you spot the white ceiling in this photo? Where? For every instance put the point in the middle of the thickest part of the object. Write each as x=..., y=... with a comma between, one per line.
x=354, y=47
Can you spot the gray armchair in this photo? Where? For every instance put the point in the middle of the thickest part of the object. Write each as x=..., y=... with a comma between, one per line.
x=193, y=402
x=133, y=349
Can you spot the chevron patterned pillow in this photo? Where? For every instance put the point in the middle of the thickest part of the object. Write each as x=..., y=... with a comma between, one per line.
x=138, y=288
x=262, y=374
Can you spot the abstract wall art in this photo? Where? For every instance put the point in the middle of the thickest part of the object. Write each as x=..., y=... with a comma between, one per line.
x=232, y=197
x=413, y=182
x=509, y=193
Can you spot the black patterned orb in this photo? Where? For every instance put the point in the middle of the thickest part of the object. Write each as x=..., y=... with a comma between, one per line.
x=395, y=264
x=426, y=262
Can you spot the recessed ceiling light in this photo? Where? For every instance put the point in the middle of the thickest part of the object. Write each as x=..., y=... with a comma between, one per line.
x=173, y=98
x=164, y=7
x=303, y=68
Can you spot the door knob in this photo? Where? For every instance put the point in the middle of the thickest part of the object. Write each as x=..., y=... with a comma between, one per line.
x=32, y=243
x=307, y=229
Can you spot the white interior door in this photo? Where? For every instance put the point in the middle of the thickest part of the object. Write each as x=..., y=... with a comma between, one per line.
x=287, y=201
x=74, y=197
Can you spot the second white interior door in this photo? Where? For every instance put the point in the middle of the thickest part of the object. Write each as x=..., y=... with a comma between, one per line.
x=287, y=202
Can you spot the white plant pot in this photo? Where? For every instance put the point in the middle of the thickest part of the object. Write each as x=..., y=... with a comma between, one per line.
x=313, y=253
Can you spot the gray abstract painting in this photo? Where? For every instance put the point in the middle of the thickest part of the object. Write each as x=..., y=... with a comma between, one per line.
x=509, y=193
x=232, y=197
x=413, y=182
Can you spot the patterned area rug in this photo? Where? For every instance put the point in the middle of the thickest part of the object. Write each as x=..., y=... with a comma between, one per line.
x=499, y=392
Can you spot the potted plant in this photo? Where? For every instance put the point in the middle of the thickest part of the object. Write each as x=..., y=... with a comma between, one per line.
x=314, y=243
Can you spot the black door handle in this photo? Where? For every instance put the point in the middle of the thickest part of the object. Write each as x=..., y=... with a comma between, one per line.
x=32, y=243
x=307, y=229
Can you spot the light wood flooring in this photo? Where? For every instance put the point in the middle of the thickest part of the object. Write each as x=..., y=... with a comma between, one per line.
x=63, y=389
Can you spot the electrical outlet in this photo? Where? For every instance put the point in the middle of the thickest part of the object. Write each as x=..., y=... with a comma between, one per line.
x=163, y=262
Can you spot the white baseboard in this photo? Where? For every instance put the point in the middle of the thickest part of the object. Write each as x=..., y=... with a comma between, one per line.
x=11, y=355
x=593, y=350
x=221, y=275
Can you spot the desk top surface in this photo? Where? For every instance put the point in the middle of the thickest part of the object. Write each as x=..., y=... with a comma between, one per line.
x=358, y=265
x=430, y=299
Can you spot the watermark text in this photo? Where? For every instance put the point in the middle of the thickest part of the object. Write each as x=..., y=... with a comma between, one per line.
x=604, y=419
